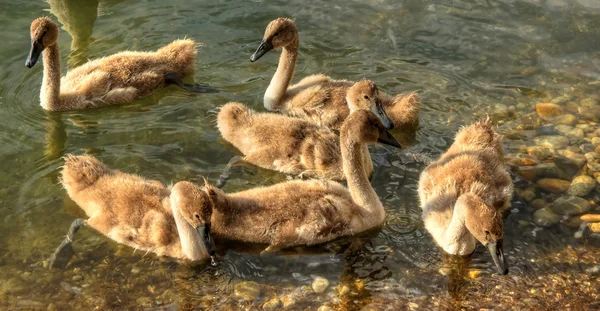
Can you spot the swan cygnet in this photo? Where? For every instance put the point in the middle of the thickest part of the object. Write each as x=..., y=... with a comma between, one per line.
x=464, y=193
x=112, y=80
x=140, y=213
x=318, y=97
x=292, y=145
x=307, y=212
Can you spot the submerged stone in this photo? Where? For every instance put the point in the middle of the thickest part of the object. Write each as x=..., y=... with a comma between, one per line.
x=273, y=304
x=545, y=217
x=247, y=290
x=567, y=119
x=548, y=111
x=554, y=185
x=541, y=153
x=581, y=186
x=320, y=284
x=570, y=205
x=594, y=167
x=594, y=227
x=552, y=141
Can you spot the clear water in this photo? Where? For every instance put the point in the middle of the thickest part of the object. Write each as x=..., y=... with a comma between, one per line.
x=464, y=58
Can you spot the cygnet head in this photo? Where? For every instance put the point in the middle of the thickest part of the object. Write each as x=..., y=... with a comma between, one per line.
x=196, y=208
x=44, y=33
x=280, y=33
x=485, y=224
x=365, y=95
x=362, y=126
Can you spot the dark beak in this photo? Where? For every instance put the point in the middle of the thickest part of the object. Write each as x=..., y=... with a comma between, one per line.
x=380, y=113
x=264, y=47
x=386, y=138
x=34, y=54
x=497, y=253
x=204, y=232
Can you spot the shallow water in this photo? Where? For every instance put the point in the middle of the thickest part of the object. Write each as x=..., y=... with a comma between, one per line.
x=467, y=59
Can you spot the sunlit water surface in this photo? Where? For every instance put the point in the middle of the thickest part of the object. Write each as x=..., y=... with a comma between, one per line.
x=463, y=57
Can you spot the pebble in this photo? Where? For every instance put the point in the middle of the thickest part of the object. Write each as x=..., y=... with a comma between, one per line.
x=288, y=301
x=12, y=286
x=554, y=185
x=320, y=284
x=324, y=308
x=545, y=217
x=596, y=141
x=573, y=222
x=542, y=170
x=77, y=278
x=526, y=194
x=561, y=99
x=590, y=217
x=585, y=148
x=592, y=156
x=594, y=227
x=273, y=304
x=576, y=158
x=568, y=166
x=548, y=111
x=540, y=153
x=144, y=302
x=594, y=167
x=593, y=270
x=588, y=102
x=566, y=119
x=546, y=130
x=552, y=141
x=135, y=270
x=247, y=290
x=570, y=205
x=581, y=186
x=538, y=203
x=523, y=223
x=597, y=149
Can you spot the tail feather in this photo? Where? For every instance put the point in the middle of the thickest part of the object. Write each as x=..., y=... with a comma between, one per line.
x=80, y=172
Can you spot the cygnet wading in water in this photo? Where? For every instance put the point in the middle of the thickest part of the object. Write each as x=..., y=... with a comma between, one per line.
x=464, y=193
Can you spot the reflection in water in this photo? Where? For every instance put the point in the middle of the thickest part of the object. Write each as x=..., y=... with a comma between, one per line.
x=56, y=136
x=77, y=18
x=456, y=268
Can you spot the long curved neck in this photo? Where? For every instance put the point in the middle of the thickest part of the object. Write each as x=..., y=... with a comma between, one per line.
x=360, y=188
x=458, y=239
x=190, y=240
x=49, y=95
x=282, y=78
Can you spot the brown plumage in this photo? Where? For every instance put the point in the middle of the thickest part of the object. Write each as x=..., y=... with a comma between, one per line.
x=111, y=80
x=291, y=145
x=140, y=213
x=319, y=98
x=464, y=193
x=307, y=212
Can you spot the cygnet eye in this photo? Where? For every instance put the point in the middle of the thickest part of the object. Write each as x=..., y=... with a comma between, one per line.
x=366, y=96
x=276, y=34
x=197, y=216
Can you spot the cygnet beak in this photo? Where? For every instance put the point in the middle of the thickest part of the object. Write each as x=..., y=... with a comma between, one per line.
x=495, y=249
x=380, y=113
x=386, y=138
x=204, y=232
x=34, y=54
x=264, y=47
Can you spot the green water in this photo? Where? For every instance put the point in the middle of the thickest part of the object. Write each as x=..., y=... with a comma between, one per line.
x=464, y=58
